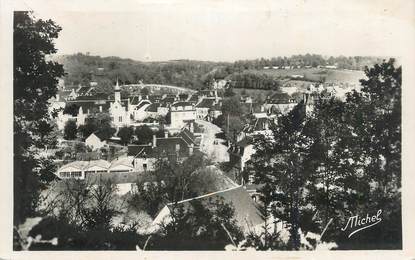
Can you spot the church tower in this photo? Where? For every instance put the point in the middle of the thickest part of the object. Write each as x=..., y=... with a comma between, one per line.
x=117, y=95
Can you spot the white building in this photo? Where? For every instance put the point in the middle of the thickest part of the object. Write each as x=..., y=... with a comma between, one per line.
x=94, y=142
x=181, y=113
x=119, y=113
x=79, y=169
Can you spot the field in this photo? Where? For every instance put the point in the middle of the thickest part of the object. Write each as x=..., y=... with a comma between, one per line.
x=317, y=74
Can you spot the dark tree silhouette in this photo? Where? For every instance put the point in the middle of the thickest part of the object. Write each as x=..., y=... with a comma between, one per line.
x=35, y=80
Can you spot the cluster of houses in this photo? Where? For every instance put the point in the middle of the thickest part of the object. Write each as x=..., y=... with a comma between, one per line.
x=176, y=110
x=140, y=158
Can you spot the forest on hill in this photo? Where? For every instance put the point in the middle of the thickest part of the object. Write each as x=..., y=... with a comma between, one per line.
x=81, y=69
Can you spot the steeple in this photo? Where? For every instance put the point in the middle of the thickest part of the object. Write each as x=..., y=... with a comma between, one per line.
x=117, y=86
x=117, y=94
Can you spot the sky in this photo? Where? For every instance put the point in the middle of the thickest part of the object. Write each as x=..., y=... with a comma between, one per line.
x=220, y=30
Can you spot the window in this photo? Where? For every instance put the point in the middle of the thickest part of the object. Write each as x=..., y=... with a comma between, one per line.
x=144, y=166
x=76, y=174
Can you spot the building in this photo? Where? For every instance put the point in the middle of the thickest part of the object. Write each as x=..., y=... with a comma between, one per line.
x=203, y=107
x=240, y=153
x=181, y=113
x=80, y=169
x=121, y=165
x=119, y=110
x=280, y=102
x=177, y=147
x=94, y=142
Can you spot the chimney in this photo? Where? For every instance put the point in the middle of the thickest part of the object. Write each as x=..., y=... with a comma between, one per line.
x=166, y=134
x=192, y=128
x=154, y=141
x=100, y=108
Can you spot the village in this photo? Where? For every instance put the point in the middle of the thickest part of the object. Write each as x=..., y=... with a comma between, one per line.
x=178, y=123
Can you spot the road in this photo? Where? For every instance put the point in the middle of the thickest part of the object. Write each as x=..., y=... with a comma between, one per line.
x=215, y=150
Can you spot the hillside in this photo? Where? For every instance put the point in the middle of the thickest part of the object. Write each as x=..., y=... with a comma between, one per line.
x=250, y=74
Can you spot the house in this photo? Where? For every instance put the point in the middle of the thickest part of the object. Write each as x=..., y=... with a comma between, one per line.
x=181, y=113
x=80, y=169
x=280, y=102
x=246, y=214
x=203, y=107
x=260, y=126
x=143, y=157
x=94, y=142
x=240, y=153
x=177, y=147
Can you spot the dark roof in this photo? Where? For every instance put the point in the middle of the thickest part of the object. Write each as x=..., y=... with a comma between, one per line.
x=188, y=136
x=194, y=98
x=153, y=107
x=279, y=98
x=183, y=97
x=167, y=146
x=169, y=99
x=140, y=151
x=84, y=90
x=259, y=124
x=247, y=215
x=154, y=98
x=94, y=96
x=207, y=103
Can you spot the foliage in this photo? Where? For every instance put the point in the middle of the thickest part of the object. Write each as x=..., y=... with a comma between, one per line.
x=198, y=225
x=100, y=124
x=125, y=133
x=34, y=83
x=144, y=134
x=342, y=160
x=70, y=130
x=171, y=181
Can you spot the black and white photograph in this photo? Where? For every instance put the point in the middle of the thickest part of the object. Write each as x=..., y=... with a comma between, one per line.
x=208, y=126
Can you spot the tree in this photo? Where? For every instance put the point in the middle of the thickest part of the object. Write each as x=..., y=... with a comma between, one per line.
x=70, y=130
x=231, y=106
x=34, y=82
x=340, y=161
x=125, y=133
x=144, y=91
x=144, y=134
x=100, y=124
x=199, y=225
x=171, y=181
